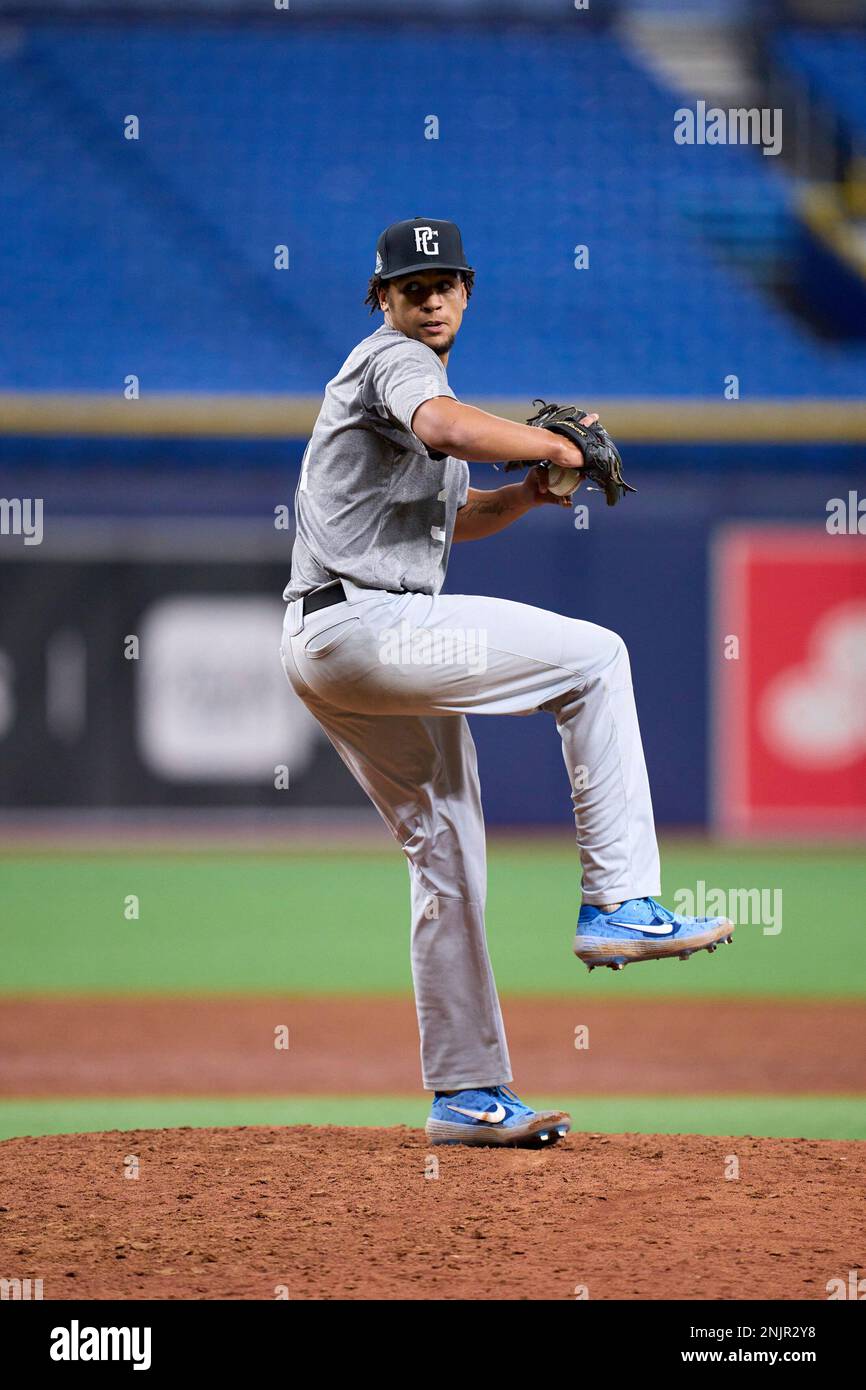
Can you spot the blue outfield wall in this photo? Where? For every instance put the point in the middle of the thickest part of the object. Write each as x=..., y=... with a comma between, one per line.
x=641, y=568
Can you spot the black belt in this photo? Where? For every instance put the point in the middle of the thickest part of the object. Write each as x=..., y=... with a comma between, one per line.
x=324, y=597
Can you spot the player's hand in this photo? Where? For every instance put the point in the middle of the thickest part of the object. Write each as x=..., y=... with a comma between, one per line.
x=535, y=490
x=567, y=454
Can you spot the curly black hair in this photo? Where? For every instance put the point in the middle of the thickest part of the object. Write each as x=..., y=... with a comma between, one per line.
x=376, y=282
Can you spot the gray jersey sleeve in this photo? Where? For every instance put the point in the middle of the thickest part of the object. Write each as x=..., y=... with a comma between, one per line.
x=400, y=379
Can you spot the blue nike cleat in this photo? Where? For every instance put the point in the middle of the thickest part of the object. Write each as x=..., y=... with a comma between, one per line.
x=641, y=929
x=493, y=1116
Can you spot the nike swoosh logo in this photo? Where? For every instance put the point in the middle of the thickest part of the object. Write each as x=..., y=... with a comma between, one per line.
x=488, y=1117
x=656, y=928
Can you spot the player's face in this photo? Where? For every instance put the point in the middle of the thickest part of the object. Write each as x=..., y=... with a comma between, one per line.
x=427, y=305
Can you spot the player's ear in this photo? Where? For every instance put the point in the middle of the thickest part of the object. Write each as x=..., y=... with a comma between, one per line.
x=383, y=296
x=463, y=288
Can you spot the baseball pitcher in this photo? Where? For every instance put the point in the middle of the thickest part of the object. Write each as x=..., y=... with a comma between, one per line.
x=390, y=666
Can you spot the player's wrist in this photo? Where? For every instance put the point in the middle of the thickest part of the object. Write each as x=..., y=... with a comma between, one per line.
x=564, y=453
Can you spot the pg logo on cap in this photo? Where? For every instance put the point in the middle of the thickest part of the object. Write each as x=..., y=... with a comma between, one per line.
x=426, y=241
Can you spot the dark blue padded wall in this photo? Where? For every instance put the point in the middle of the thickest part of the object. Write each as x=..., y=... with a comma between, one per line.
x=641, y=569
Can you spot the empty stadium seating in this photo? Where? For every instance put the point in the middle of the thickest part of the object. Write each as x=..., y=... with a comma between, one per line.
x=834, y=66
x=156, y=256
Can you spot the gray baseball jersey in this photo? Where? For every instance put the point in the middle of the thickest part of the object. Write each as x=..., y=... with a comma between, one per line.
x=373, y=505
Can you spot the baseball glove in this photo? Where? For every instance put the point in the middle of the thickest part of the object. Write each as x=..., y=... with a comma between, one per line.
x=602, y=463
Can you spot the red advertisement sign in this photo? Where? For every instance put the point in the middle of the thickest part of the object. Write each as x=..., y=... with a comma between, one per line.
x=788, y=681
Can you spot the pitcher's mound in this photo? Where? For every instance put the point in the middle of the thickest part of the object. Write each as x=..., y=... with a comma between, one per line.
x=377, y=1213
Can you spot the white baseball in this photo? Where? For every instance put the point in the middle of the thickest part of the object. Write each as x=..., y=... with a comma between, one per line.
x=563, y=481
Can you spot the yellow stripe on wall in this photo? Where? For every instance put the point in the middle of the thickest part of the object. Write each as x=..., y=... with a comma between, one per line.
x=181, y=415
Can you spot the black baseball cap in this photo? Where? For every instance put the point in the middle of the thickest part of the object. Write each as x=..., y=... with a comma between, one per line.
x=422, y=243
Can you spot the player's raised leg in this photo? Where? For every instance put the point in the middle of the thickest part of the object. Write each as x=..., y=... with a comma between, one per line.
x=458, y=653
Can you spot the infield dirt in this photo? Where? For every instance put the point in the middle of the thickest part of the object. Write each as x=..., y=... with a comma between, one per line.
x=306, y=1213
x=354, y=1046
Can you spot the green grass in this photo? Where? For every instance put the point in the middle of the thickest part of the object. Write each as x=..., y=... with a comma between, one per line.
x=806, y=1117
x=338, y=923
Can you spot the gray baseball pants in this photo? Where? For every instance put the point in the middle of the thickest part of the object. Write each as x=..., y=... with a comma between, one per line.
x=390, y=677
